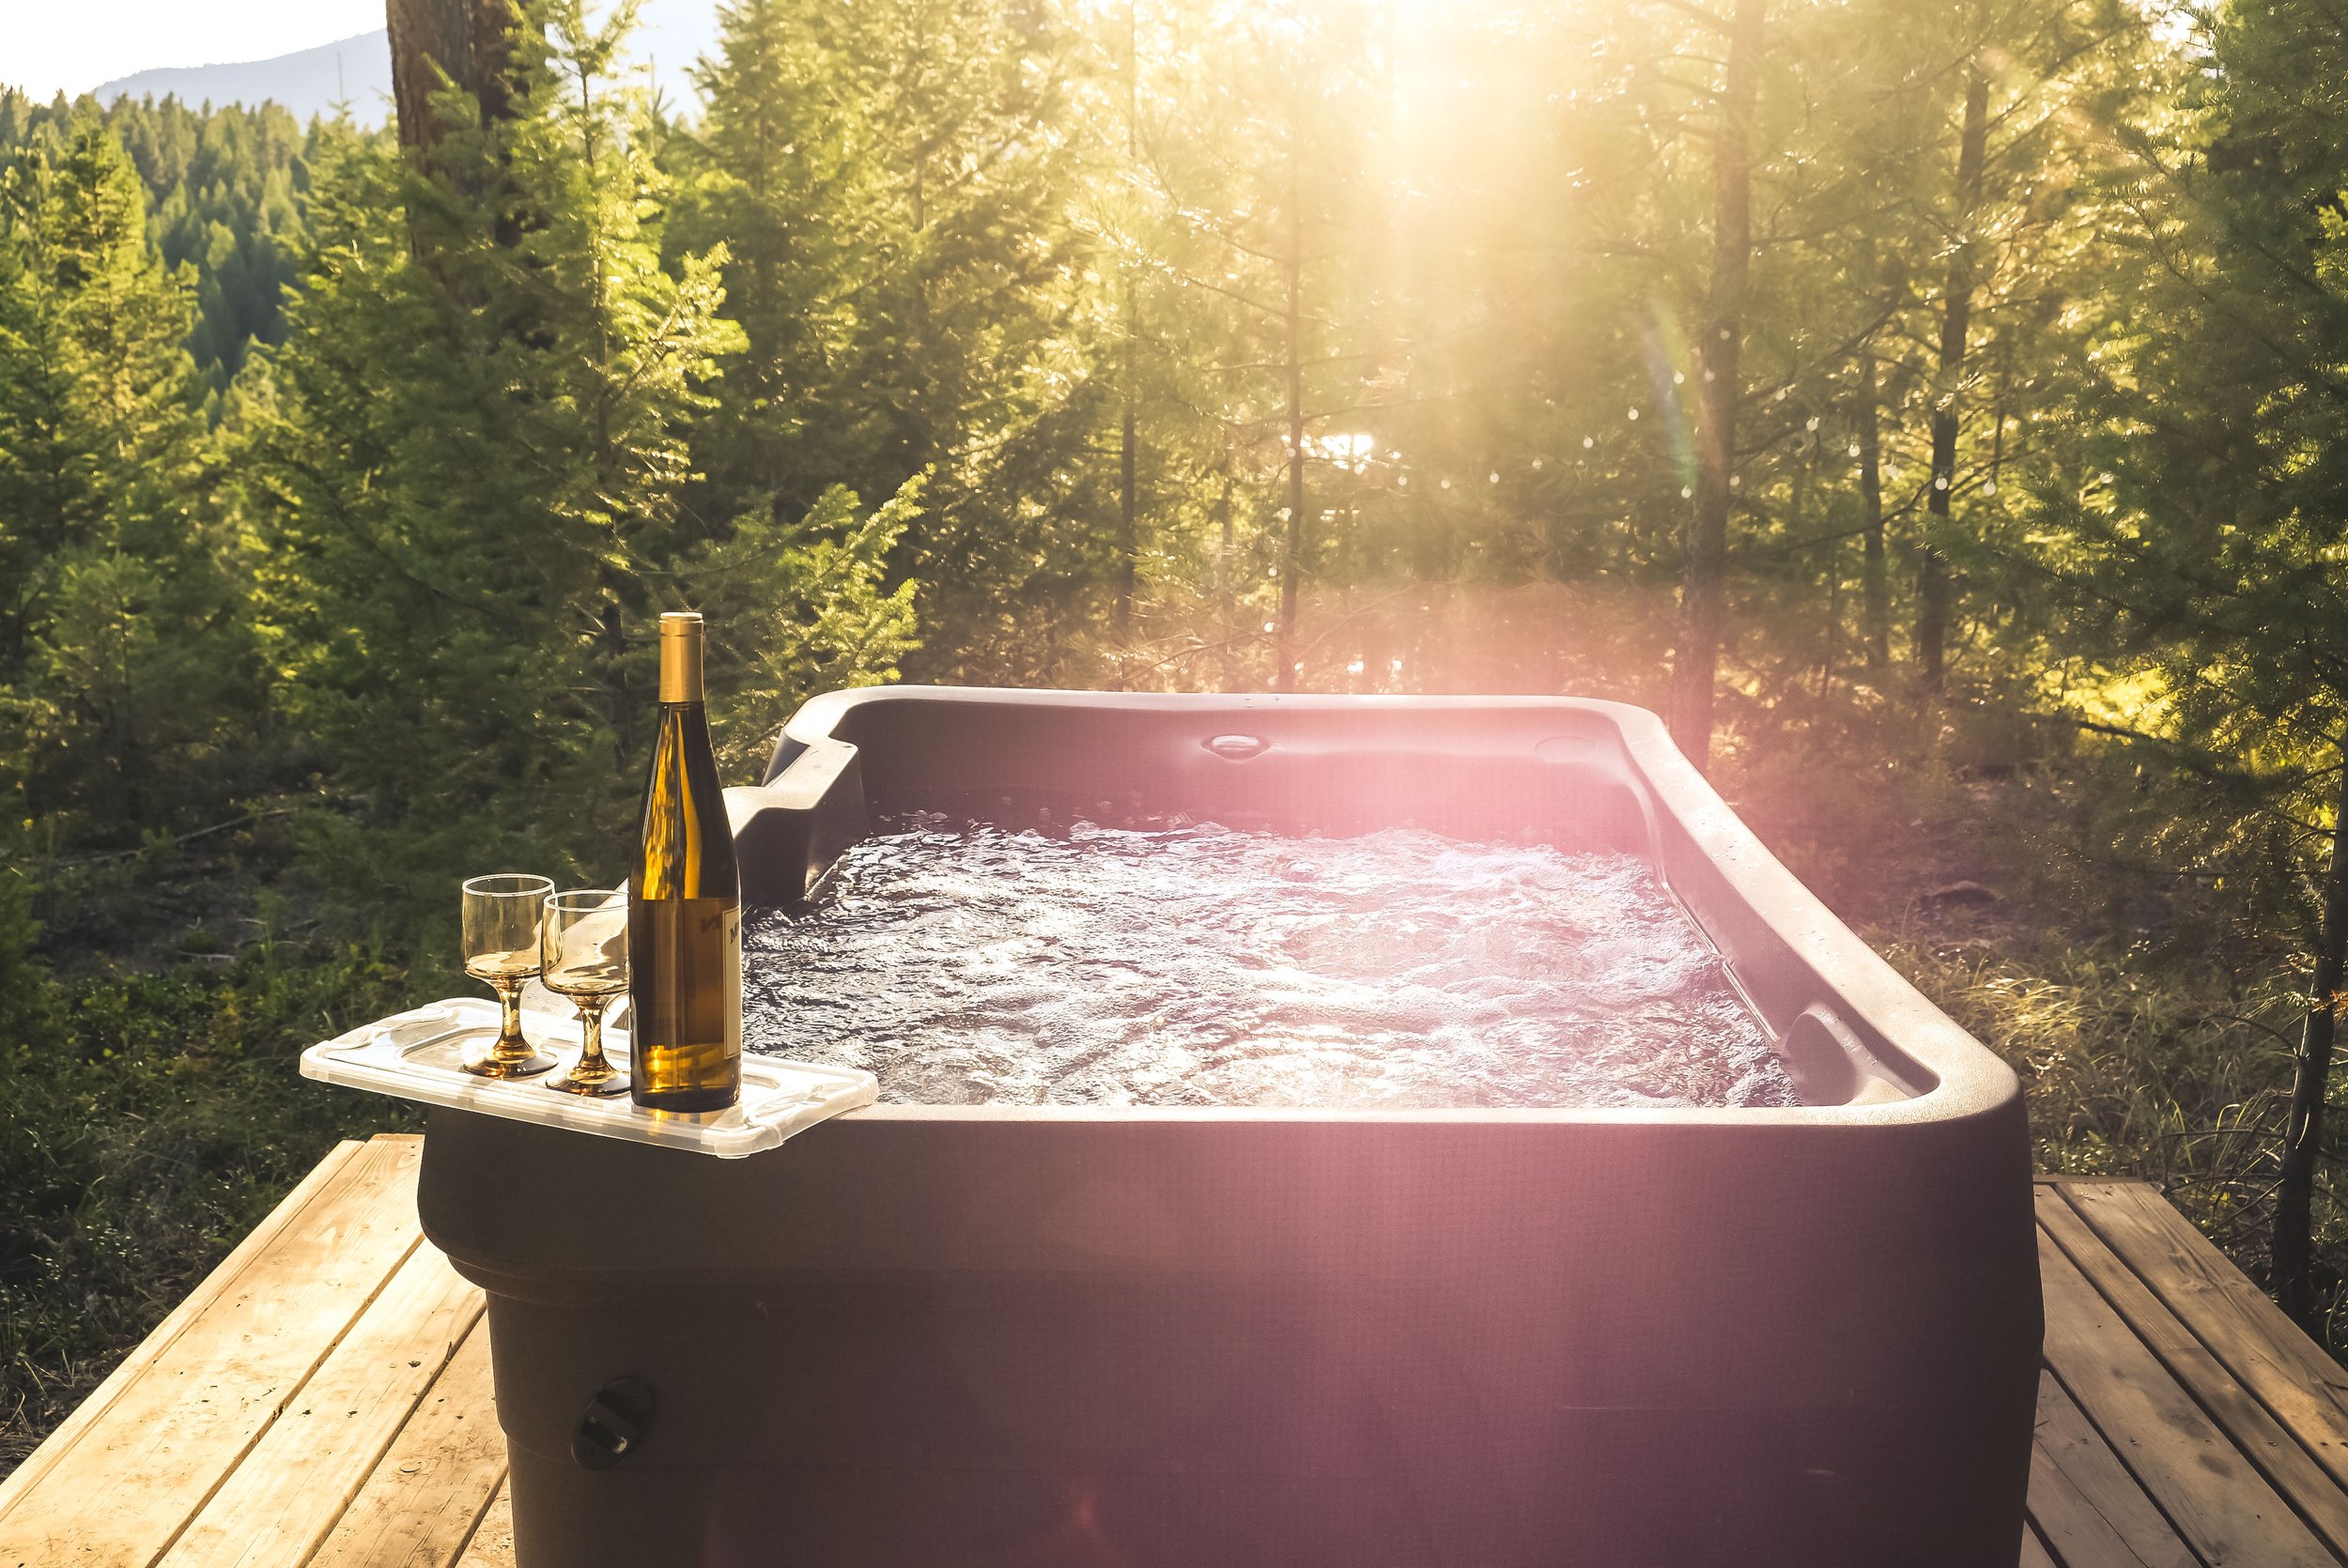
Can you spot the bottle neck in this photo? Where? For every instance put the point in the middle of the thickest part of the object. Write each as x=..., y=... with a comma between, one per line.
x=680, y=670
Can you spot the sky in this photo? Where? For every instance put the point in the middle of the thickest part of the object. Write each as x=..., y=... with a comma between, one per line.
x=45, y=46
x=73, y=45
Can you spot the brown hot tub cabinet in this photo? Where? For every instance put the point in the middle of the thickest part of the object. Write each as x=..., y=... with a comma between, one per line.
x=931, y=1335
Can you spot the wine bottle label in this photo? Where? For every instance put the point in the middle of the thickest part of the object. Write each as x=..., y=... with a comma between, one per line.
x=687, y=994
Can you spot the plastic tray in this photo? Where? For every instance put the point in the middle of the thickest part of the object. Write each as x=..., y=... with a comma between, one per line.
x=418, y=1055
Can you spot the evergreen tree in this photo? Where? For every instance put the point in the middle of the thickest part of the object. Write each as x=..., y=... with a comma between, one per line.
x=798, y=609
x=459, y=460
x=2201, y=531
x=770, y=175
x=1258, y=362
x=972, y=360
x=120, y=650
x=224, y=190
x=467, y=464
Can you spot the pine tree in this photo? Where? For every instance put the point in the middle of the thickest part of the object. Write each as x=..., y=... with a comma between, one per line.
x=797, y=609
x=769, y=173
x=120, y=648
x=224, y=188
x=2201, y=531
x=466, y=460
x=468, y=465
x=1252, y=305
x=972, y=360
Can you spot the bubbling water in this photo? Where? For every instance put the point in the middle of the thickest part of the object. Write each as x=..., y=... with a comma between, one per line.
x=1200, y=965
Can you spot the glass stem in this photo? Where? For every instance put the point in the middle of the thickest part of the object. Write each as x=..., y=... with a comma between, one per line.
x=591, y=1062
x=510, y=1046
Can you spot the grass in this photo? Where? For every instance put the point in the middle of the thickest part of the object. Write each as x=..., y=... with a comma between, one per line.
x=2151, y=1016
x=154, y=1115
x=2175, y=1078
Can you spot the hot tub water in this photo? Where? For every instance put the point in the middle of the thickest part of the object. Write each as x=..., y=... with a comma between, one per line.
x=1201, y=965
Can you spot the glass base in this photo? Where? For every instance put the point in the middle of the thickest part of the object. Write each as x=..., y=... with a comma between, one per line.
x=609, y=1083
x=492, y=1065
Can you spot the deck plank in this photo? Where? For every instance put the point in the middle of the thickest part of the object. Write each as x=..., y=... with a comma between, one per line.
x=492, y=1544
x=429, y=1494
x=2306, y=1388
x=118, y=1495
x=2211, y=1493
x=326, y=1172
x=2288, y=1467
x=287, y=1493
x=2083, y=1501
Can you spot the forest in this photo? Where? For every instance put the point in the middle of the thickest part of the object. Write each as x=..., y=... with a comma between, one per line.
x=1940, y=414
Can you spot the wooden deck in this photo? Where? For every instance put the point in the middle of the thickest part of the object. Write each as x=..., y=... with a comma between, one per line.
x=323, y=1398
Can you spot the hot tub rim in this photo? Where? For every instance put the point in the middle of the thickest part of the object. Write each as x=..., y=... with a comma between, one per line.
x=1940, y=1072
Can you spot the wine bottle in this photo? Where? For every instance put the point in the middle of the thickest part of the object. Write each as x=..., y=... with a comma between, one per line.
x=685, y=905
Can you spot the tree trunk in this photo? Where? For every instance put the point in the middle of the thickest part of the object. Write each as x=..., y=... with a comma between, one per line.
x=1833, y=616
x=1128, y=540
x=466, y=38
x=1222, y=566
x=1876, y=589
x=1128, y=537
x=1933, y=592
x=1292, y=547
x=2302, y=1134
x=619, y=702
x=1696, y=652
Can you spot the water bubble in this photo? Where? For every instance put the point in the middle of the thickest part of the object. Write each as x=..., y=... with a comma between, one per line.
x=1495, y=475
x=1446, y=484
x=1635, y=413
x=1687, y=492
x=1813, y=423
x=1174, y=963
x=1589, y=441
x=1940, y=482
x=1990, y=487
x=1854, y=449
x=1679, y=378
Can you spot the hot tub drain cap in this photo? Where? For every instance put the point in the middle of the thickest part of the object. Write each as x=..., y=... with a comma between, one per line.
x=614, y=1424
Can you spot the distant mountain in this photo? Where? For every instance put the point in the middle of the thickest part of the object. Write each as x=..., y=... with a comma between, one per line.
x=355, y=71
x=358, y=70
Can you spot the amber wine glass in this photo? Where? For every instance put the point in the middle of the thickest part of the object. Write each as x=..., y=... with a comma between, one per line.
x=502, y=914
x=583, y=943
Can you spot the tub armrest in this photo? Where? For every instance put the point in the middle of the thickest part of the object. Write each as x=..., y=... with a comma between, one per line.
x=788, y=833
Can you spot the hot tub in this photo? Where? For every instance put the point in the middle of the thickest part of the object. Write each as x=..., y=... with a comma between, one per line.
x=929, y=1335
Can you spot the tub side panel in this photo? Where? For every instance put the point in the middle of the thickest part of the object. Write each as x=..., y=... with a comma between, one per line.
x=1573, y=1333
